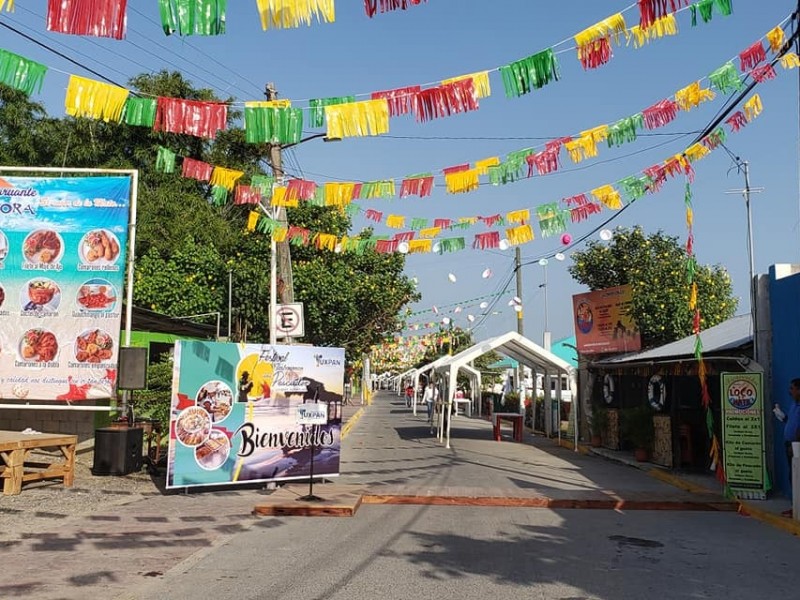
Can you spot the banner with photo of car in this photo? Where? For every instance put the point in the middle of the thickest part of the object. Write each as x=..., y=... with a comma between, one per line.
x=234, y=413
x=62, y=266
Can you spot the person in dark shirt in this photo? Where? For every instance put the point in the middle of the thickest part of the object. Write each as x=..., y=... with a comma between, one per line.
x=245, y=385
x=791, y=421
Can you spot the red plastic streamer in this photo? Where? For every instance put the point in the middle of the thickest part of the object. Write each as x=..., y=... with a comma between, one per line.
x=99, y=18
x=301, y=189
x=298, y=232
x=755, y=54
x=192, y=117
x=652, y=10
x=443, y=223
x=401, y=100
x=545, y=162
x=675, y=166
x=581, y=208
x=763, y=73
x=386, y=246
x=405, y=236
x=357, y=190
x=445, y=100
x=374, y=215
x=246, y=194
x=658, y=176
x=487, y=241
x=417, y=186
x=737, y=121
x=371, y=6
x=557, y=143
x=492, y=221
x=456, y=169
x=660, y=114
x=596, y=53
x=196, y=169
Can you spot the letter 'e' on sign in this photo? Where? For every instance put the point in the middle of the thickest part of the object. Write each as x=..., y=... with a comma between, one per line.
x=289, y=320
x=312, y=414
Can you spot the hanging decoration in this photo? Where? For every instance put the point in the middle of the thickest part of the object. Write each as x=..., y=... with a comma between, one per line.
x=586, y=144
x=165, y=161
x=401, y=100
x=581, y=208
x=776, y=38
x=445, y=100
x=594, y=43
x=290, y=14
x=660, y=114
x=219, y=195
x=461, y=179
x=94, y=99
x=487, y=241
x=190, y=117
x=512, y=168
x=193, y=17
x=139, y=112
x=753, y=107
x=377, y=189
x=417, y=185
x=246, y=194
x=608, y=197
x=519, y=235
x=662, y=27
x=763, y=73
x=339, y=194
x=266, y=123
x=790, y=60
x=371, y=6
x=301, y=189
x=227, y=178
x=692, y=96
x=480, y=81
x=196, y=169
x=650, y=11
x=21, y=73
x=531, y=73
x=625, y=130
x=7, y=5
x=98, y=18
x=706, y=9
x=634, y=187
x=356, y=119
x=317, y=108
x=552, y=219
x=726, y=79
x=755, y=54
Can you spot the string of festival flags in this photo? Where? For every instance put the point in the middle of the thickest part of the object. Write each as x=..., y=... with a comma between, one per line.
x=281, y=122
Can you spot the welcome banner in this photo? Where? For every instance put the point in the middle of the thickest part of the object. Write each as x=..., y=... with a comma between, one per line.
x=62, y=264
x=235, y=413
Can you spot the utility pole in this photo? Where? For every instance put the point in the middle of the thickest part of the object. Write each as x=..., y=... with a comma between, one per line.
x=518, y=269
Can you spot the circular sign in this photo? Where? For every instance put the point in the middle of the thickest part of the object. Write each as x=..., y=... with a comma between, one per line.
x=742, y=394
x=288, y=319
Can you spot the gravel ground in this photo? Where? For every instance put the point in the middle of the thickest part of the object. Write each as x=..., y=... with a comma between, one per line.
x=42, y=504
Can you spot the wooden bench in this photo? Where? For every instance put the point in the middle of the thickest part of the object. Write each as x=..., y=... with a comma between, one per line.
x=514, y=418
x=17, y=469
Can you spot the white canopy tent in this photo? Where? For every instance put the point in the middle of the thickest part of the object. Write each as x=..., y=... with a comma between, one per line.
x=399, y=380
x=422, y=371
x=525, y=352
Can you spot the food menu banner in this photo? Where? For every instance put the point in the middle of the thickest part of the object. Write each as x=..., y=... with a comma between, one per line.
x=62, y=264
x=234, y=413
x=743, y=445
x=603, y=321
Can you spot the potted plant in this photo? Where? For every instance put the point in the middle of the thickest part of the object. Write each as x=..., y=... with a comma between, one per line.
x=638, y=429
x=598, y=424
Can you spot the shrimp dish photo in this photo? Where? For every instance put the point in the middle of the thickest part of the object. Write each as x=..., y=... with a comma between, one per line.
x=43, y=246
x=96, y=295
x=38, y=345
x=94, y=346
x=99, y=246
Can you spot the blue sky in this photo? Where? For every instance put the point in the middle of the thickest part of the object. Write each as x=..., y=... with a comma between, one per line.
x=446, y=38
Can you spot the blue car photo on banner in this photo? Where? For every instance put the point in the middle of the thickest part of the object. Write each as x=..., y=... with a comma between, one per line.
x=63, y=245
x=234, y=414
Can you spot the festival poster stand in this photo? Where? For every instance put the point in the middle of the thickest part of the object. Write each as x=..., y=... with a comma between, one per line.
x=245, y=413
x=743, y=445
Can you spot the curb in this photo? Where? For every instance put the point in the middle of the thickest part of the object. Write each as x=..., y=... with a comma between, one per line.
x=351, y=422
x=570, y=445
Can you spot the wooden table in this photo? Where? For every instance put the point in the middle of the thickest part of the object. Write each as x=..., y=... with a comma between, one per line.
x=514, y=418
x=16, y=469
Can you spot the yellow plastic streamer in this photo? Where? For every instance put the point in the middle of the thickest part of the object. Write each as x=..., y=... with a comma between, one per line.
x=269, y=104
x=430, y=232
x=279, y=234
x=470, y=220
x=483, y=89
x=396, y=221
x=519, y=235
x=790, y=61
x=419, y=246
x=518, y=216
x=696, y=151
x=8, y=6
x=280, y=198
x=753, y=107
x=339, y=194
x=358, y=119
x=689, y=217
x=288, y=14
x=693, y=297
x=608, y=196
x=326, y=241
x=586, y=145
x=693, y=95
x=227, y=178
x=483, y=165
x=662, y=27
x=776, y=38
x=463, y=181
x=252, y=220
x=612, y=28
x=94, y=99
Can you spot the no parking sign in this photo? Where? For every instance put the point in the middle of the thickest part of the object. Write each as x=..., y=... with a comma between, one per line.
x=289, y=320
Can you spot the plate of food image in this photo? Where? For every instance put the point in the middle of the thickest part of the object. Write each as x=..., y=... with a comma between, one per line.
x=96, y=295
x=43, y=246
x=3, y=246
x=99, y=247
x=213, y=453
x=94, y=346
x=38, y=345
x=216, y=398
x=193, y=426
x=41, y=295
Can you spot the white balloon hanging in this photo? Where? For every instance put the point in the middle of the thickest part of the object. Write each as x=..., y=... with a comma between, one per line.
x=606, y=235
x=451, y=277
x=457, y=309
x=446, y=321
x=471, y=318
x=486, y=273
x=543, y=262
x=435, y=309
x=560, y=256
x=504, y=245
x=484, y=305
x=403, y=247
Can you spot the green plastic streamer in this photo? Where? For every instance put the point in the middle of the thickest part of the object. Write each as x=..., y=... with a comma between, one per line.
x=165, y=160
x=552, y=219
x=317, y=108
x=726, y=79
x=21, y=73
x=512, y=169
x=634, y=187
x=139, y=111
x=527, y=74
x=264, y=183
x=193, y=17
x=625, y=130
x=351, y=210
x=706, y=9
x=377, y=189
x=462, y=225
x=418, y=223
x=452, y=244
x=270, y=125
x=319, y=197
x=219, y=195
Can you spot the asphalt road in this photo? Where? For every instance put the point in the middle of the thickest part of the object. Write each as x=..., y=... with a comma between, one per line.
x=472, y=553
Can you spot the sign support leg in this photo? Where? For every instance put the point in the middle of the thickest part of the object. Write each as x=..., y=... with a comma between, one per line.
x=310, y=497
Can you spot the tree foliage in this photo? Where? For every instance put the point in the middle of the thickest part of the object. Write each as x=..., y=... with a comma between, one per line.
x=655, y=266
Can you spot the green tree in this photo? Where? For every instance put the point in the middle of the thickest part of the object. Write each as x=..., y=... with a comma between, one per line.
x=655, y=266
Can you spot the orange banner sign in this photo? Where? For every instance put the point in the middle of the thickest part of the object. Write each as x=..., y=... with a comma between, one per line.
x=603, y=323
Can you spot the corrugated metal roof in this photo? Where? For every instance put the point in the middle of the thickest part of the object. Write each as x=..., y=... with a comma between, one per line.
x=728, y=335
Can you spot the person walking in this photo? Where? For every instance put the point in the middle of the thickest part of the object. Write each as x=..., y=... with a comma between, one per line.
x=409, y=395
x=429, y=399
x=791, y=421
